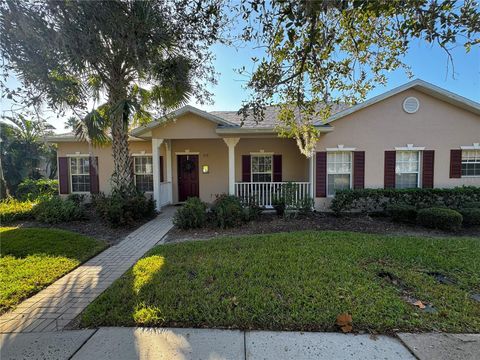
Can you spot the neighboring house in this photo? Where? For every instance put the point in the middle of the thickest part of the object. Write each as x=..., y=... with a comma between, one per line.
x=417, y=135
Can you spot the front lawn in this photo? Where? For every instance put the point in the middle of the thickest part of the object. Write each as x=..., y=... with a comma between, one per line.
x=31, y=259
x=301, y=281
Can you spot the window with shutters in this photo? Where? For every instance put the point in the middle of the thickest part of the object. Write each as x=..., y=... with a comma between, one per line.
x=261, y=168
x=470, y=163
x=143, y=170
x=407, y=169
x=80, y=174
x=339, y=171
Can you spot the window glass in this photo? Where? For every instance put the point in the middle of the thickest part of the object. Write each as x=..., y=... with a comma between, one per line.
x=471, y=163
x=143, y=166
x=261, y=168
x=407, y=169
x=80, y=174
x=339, y=171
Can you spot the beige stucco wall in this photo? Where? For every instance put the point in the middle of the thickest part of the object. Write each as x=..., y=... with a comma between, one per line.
x=211, y=152
x=214, y=153
x=188, y=126
x=294, y=164
x=105, y=160
x=383, y=126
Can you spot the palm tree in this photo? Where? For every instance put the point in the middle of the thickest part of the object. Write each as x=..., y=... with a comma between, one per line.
x=132, y=58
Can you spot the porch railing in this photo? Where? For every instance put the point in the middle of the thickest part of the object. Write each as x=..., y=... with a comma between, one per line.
x=165, y=193
x=264, y=193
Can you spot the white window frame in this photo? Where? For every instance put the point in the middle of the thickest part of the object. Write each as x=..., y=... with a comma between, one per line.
x=475, y=149
x=417, y=150
x=135, y=157
x=340, y=150
x=252, y=155
x=70, y=174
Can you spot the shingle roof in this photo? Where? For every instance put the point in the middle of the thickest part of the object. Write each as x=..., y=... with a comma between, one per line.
x=269, y=120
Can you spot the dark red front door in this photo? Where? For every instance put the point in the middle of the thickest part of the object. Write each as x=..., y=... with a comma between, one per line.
x=188, y=185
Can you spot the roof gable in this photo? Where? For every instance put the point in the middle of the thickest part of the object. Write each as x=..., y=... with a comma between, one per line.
x=420, y=85
x=139, y=131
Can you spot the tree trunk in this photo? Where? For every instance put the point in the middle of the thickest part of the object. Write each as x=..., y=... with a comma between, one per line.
x=4, y=193
x=122, y=177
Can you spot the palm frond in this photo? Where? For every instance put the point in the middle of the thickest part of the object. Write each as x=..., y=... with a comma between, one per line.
x=93, y=128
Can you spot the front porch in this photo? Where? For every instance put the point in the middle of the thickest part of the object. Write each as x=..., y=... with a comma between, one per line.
x=254, y=169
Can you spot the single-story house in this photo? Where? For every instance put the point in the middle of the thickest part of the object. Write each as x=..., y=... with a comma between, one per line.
x=416, y=135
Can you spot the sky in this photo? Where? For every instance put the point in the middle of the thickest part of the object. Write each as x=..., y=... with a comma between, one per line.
x=427, y=62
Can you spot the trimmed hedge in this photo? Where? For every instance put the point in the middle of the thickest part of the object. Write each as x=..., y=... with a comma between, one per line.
x=440, y=218
x=471, y=216
x=123, y=209
x=402, y=212
x=375, y=200
x=13, y=210
x=30, y=189
x=55, y=210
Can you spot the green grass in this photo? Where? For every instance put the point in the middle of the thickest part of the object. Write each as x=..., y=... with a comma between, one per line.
x=31, y=259
x=300, y=281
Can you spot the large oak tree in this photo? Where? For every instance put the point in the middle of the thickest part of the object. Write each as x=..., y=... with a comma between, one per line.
x=322, y=52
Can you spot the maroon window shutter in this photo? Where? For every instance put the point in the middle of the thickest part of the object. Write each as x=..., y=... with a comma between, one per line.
x=427, y=168
x=63, y=175
x=359, y=169
x=389, y=177
x=321, y=174
x=94, y=182
x=246, y=171
x=455, y=163
x=277, y=168
x=161, y=169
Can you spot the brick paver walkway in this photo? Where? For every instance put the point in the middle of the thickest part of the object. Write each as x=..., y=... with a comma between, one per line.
x=57, y=305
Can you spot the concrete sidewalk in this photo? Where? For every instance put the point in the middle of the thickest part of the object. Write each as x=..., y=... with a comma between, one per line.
x=168, y=343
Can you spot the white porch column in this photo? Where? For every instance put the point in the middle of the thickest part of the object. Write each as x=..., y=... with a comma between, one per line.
x=231, y=143
x=311, y=175
x=156, y=171
x=168, y=157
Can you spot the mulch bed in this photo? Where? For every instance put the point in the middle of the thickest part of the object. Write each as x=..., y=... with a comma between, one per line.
x=91, y=226
x=271, y=223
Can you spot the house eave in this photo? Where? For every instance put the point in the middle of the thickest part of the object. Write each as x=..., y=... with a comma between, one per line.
x=270, y=130
x=72, y=138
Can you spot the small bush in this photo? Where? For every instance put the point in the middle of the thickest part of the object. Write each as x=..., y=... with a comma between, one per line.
x=122, y=209
x=227, y=211
x=471, y=216
x=440, y=218
x=279, y=204
x=56, y=210
x=30, y=189
x=305, y=205
x=251, y=211
x=78, y=199
x=402, y=213
x=13, y=210
x=192, y=215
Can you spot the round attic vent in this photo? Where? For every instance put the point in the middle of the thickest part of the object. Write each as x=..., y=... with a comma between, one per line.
x=411, y=105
